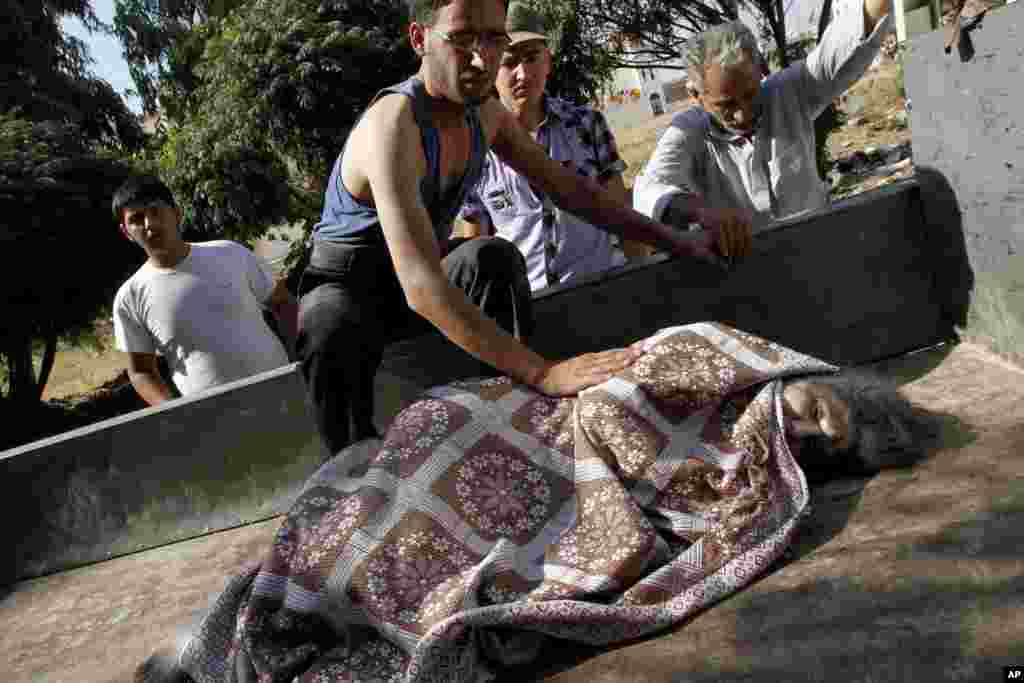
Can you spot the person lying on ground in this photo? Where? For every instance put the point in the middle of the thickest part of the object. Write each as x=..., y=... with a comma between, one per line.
x=197, y=304
x=382, y=265
x=558, y=246
x=747, y=153
x=492, y=517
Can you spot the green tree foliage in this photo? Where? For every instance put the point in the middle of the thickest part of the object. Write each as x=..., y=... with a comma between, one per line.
x=64, y=255
x=580, y=67
x=277, y=89
x=163, y=42
x=59, y=129
x=646, y=34
x=45, y=75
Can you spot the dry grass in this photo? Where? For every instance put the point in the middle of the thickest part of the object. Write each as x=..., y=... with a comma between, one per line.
x=879, y=95
x=79, y=370
x=636, y=144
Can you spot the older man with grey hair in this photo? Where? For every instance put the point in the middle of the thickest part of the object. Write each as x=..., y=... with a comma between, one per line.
x=747, y=154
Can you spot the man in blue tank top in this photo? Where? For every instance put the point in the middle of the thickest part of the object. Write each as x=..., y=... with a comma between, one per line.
x=383, y=266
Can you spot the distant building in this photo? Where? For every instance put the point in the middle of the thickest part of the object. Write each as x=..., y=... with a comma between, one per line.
x=637, y=94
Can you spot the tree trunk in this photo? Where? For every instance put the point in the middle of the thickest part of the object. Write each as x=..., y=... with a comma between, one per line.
x=777, y=21
x=24, y=389
x=49, y=356
x=22, y=385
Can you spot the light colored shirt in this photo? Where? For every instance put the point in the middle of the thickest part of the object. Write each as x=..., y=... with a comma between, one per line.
x=204, y=316
x=562, y=247
x=775, y=175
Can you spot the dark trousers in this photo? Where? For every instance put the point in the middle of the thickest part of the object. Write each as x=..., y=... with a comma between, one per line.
x=352, y=306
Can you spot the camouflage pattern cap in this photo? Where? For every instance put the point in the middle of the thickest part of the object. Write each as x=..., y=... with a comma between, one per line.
x=524, y=23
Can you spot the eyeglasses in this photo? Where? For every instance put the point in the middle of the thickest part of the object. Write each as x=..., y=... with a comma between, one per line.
x=467, y=41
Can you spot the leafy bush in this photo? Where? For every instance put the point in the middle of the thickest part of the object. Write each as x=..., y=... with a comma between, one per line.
x=66, y=257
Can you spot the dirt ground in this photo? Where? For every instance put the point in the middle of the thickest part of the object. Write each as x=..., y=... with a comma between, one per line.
x=78, y=372
x=910, y=575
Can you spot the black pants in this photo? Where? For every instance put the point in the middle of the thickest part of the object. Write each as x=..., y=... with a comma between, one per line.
x=352, y=306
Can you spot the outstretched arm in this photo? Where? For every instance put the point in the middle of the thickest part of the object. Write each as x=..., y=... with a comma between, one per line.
x=588, y=200
x=845, y=52
x=381, y=145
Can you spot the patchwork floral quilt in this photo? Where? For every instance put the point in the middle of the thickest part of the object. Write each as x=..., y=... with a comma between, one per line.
x=491, y=518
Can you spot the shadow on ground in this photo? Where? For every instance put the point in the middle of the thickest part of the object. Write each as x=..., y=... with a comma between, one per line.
x=911, y=575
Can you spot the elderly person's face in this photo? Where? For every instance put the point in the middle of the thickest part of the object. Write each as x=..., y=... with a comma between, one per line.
x=729, y=93
x=523, y=73
x=814, y=410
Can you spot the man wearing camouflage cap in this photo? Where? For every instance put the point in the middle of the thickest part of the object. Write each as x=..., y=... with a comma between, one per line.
x=558, y=246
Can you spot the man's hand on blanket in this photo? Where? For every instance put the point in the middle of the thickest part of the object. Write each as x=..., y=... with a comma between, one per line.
x=570, y=377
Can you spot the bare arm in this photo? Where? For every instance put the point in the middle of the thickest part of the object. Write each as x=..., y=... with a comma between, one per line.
x=571, y=192
x=588, y=200
x=145, y=377
x=381, y=146
x=842, y=56
x=615, y=186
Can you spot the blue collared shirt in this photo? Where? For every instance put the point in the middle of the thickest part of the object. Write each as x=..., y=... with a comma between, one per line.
x=563, y=247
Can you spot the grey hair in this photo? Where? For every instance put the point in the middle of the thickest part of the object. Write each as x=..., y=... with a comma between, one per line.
x=887, y=430
x=723, y=44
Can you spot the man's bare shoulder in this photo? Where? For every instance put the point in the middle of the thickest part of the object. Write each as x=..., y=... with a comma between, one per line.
x=386, y=132
x=390, y=112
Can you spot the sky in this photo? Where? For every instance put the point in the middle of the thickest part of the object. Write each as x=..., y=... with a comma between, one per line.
x=106, y=52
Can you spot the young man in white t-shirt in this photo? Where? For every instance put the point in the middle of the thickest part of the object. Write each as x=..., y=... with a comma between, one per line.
x=199, y=305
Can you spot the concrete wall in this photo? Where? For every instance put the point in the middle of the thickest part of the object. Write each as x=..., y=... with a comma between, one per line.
x=967, y=121
x=876, y=276
x=235, y=455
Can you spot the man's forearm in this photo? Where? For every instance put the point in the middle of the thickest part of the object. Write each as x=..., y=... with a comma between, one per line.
x=682, y=210
x=587, y=200
x=151, y=387
x=448, y=309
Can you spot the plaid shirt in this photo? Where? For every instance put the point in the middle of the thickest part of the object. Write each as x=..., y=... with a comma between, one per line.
x=558, y=246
